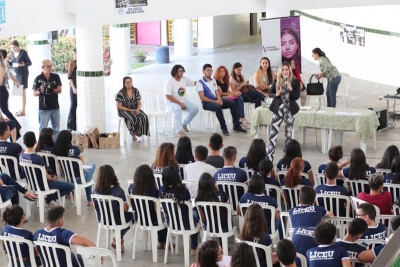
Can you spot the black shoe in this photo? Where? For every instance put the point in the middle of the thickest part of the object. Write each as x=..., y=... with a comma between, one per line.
x=239, y=129
x=225, y=132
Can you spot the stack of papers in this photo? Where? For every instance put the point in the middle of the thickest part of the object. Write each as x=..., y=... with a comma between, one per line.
x=306, y=107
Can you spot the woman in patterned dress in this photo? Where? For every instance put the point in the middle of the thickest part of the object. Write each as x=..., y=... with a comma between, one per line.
x=128, y=105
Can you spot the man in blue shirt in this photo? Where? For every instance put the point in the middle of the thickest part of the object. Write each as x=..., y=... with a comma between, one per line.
x=53, y=233
x=367, y=212
x=9, y=149
x=303, y=239
x=211, y=99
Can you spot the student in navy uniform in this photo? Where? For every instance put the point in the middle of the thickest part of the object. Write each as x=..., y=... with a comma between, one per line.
x=215, y=144
x=286, y=253
x=326, y=254
x=266, y=169
x=335, y=154
x=303, y=240
x=173, y=188
x=257, y=152
x=293, y=150
x=14, y=218
x=184, y=153
x=165, y=156
x=293, y=176
x=107, y=184
x=9, y=149
x=255, y=194
x=307, y=213
x=64, y=148
x=394, y=176
x=9, y=189
x=29, y=156
x=367, y=212
x=53, y=233
x=359, y=169
x=45, y=142
x=355, y=230
x=388, y=156
x=331, y=188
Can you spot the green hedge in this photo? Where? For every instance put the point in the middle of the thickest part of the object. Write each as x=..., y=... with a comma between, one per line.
x=62, y=53
x=22, y=40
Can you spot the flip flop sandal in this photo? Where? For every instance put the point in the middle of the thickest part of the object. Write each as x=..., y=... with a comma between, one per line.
x=20, y=114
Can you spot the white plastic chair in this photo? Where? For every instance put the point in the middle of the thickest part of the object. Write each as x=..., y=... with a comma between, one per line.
x=341, y=224
x=383, y=171
x=8, y=161
x=257, y=247
x=166, y=112
x=231, y=189
x=356, y=186
x=34, y=173
x=142, y=206
x=394, y=190
x=192, y=186
x=151, y=105
x=4, y=205
x=286, y=224
x=385, y=219
x=11, y=248
x=343, y=90
x=211, y=116
x=250, y=172
x=333, y=203
x=121, y=122
x=213, y=228
x=292, y=195
x=302, y=258
x=176, y=226
x=48, y=253
x=320, y=179
x=107, y=221
x=372, y=242
x=158, y=177
x=279, y=195
x=355, y=202
x=91, y=256
x=48, y=158
x=67, y=171
x=396, y=209
x=274, y=232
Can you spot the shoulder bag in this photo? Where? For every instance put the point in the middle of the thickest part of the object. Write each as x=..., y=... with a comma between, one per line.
x=315, y=88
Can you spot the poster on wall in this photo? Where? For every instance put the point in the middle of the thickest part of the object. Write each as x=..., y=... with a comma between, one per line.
x=281, y=41
x=128, y=7
x=352, y=34
x=2, y=16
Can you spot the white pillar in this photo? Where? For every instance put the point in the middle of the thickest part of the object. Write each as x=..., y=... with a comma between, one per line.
x=164, y=33
x=120, y=45
x=90, y=79
x=183, y=40
x=38, y=49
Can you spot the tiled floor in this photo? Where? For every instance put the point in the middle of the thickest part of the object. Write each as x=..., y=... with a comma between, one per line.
x=363, y=94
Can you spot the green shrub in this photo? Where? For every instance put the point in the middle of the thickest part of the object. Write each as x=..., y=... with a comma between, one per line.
x=22, y=40
x=62, y=52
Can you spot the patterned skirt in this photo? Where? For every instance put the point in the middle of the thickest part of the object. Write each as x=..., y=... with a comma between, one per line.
x=138, y=124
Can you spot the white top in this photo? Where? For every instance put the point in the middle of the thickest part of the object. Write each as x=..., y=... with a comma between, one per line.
x=193, y=171
x=177, y=89
x=211, y=84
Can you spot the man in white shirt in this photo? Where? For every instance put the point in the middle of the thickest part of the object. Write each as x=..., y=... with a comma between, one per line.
x=193, y=171
x=176, y=98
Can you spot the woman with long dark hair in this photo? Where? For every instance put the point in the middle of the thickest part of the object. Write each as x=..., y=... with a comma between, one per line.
x=359, y=169
x=387, y=158
x=256, y=153
x=293, y=176
x=285, y=90
x=129, y=107
x=243, y=256
x=64, y=148
x=237, y=82
x=46, y=141
x=165, y=156
x=184, y=153
x=208, y=254
x=394, y=176
x=264, y=76
x=107, y=184
x=331, y=73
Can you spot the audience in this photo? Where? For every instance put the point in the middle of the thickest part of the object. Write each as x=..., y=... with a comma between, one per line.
x=367, y=212
x=45, y=142
x=286, y=253
x=378, y=197
x=243, y=256
x=184, y=154
x=335, y=154
x=266, y=170
x=214, y=159
x=359, y=169
x=257, y=152
x=326, y=254
x=208, y=254
x=165, y=156
x=9, y=149
x=303, y=240
x=9, y=189
x=293, y=176
x=394, y=176
x=387, y=158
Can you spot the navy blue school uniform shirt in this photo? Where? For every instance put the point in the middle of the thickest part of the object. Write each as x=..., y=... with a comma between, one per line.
x=388, y=178
x=32, y=158
x=223, y=198
x=378, y=250
x=243, y=162
x=10, y=149
x=303, y=240
x=153, y=192
x=272, y=181
x=335, y=190
x=75, y=152
x=375, y=232
x=48, y=149
x=321, y=168
x=306, y=215
x=368, y=172
x=281, y=166
x=325, y=255
x=352, y=248
x=12, y=231
x=231, y=174
x=184, y=208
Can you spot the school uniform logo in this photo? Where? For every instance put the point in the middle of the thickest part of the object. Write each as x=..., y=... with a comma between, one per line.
x=321, y=255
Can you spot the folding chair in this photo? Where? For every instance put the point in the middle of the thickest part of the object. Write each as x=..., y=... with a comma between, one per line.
x=92, y=256
x=11, y=248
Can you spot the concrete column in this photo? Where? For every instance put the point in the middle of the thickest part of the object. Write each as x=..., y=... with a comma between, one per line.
x=38, y=49
x=183, y=38
x=164, y=33
x=90, y=79
x=120, y=48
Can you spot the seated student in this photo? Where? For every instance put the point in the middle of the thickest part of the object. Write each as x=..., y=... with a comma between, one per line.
x=378, y=197
x=367, y=212
x=165, y=156
x=209, y=253
x=303, y=240
x=184, y=154
x=293, y=176
x=29, y=156
x=257, y=152
x=286, y=253
x=266, y=170
x=243, y=255
x=9, y=189
x=293, y=150
x=371, y=254
x=335, y=154
x=326, y=254
x=359, y=169
x=9, y=149
x=355, y=230
x=394, y=176
x=53, y=233
x=14, y=217
x=388, y=156
x=45, y=142
x=255, y=194
x=307, y=214
x=331, y=188
x=215, y=144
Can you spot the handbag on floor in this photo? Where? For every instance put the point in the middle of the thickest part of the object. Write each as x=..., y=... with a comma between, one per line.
x=315, y=88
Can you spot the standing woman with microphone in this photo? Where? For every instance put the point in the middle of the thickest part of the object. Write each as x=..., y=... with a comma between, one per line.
x=285, y=90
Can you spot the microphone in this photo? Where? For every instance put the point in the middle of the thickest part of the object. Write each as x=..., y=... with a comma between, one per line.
x=285, y=78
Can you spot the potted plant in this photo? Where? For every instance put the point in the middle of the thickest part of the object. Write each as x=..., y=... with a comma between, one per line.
x=139, y=55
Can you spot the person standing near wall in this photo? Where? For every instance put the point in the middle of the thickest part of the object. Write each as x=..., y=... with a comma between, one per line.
x=71, y=122
x=331, y=73
x=20, y=62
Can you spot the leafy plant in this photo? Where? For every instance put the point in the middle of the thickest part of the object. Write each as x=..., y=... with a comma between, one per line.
x=140, y=53
x=106, y=58
x=62, y=52
x=22, y=40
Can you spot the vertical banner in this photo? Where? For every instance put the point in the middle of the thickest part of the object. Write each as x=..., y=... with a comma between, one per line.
x=281, y=41
x=2, y=16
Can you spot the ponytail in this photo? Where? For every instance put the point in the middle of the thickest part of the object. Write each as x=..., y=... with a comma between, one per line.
x=293, y=176
x=13, y=215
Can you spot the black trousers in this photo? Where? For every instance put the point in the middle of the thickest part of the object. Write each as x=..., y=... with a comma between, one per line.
x=71, y=123
x=4, y=106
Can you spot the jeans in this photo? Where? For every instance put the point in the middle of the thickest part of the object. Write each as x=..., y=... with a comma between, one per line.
x=253, y=96
x=191, y=110
x=88, y=177
x=64, y=188
x=45, y=116
x=11, y=189
x=71, y=122
x=217, y=108
x=240, y=106
x=331, y=91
